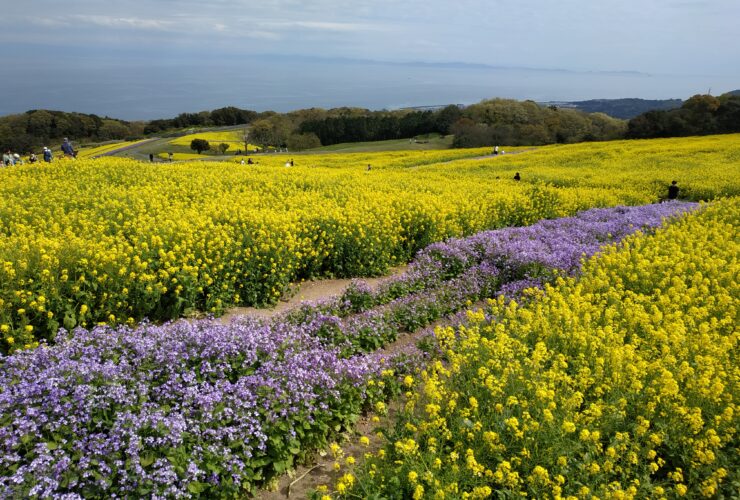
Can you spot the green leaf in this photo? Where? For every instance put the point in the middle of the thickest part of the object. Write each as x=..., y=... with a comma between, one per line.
x=147, y=459
x=196, y=487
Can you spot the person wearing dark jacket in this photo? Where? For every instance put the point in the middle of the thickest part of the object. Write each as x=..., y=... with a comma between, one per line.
x=673, y=191
x=67, y=148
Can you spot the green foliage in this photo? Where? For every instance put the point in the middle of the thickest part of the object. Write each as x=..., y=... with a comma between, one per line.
x=36, y=128
x=200, y=145
x=699, y=115
x=299, y=142
x=516, y=123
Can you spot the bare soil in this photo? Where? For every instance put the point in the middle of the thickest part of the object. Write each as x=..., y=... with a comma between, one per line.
x=308, y=291
x=320, y=470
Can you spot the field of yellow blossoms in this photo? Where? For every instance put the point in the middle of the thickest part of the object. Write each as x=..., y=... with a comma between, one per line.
x=620, y=383
x=114, y=241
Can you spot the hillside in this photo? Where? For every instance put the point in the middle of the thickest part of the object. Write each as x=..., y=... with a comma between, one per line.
x=625, y=108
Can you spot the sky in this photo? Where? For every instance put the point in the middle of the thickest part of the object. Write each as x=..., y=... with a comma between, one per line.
x=142, y=59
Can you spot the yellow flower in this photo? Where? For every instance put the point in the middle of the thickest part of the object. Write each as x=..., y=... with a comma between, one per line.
x=335, y=449
x=569, y=427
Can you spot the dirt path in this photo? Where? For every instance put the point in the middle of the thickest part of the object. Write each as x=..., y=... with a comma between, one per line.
x=320, y=468
x=485, y=157
x=308, y=291
x=127, y=148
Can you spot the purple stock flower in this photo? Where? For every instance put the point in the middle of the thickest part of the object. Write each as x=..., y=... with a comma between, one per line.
x=172, y=408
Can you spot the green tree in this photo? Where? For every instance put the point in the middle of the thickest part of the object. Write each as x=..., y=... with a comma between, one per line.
x=223, y=147
x=299, y=142
x=199, y=145
x=113, y=129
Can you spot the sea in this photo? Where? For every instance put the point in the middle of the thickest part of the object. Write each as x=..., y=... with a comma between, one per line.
x=150, y=90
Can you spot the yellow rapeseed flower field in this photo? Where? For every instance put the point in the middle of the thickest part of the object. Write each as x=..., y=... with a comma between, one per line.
x=622, y=383
x=234, y=138
x=98, y=150
x=115, y=240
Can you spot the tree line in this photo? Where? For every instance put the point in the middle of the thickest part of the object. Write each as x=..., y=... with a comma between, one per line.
x=496, y=121
x=34, y=129
x=699, y=115
x=490, y=122
x=222, y=117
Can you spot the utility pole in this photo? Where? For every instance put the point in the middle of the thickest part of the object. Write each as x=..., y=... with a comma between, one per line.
x=246, y=141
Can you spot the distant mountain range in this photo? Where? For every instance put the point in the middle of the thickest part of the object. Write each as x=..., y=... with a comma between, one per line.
x=625, y=109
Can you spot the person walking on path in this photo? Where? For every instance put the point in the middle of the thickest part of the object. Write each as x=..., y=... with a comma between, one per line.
x=495, y=150
x=673, y=191
x=151, y=157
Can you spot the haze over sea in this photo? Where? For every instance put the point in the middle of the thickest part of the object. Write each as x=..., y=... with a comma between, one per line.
x=134, y=90
x=145, y=59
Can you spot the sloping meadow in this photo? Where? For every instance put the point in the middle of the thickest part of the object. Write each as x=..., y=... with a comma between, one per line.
x=199, y=408
x=116, y=241
x=619, y=383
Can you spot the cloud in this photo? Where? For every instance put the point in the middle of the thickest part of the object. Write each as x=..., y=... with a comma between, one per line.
x=135, y=23
x=339, y=27
x=262, y=35
x=124, y=22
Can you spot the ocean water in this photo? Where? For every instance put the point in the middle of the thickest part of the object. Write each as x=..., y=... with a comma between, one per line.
x=151, y=90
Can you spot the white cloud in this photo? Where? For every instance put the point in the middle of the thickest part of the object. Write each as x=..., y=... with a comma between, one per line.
x=123, y=22
x=322, y=26
x=262, y=35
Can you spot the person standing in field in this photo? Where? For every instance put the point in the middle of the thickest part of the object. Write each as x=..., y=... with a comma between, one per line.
x=47, y=155
x=517, y=177
x=673, y=191
x=169, y=157
x=67, y=148
x=495, y=150
x=7, y=158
